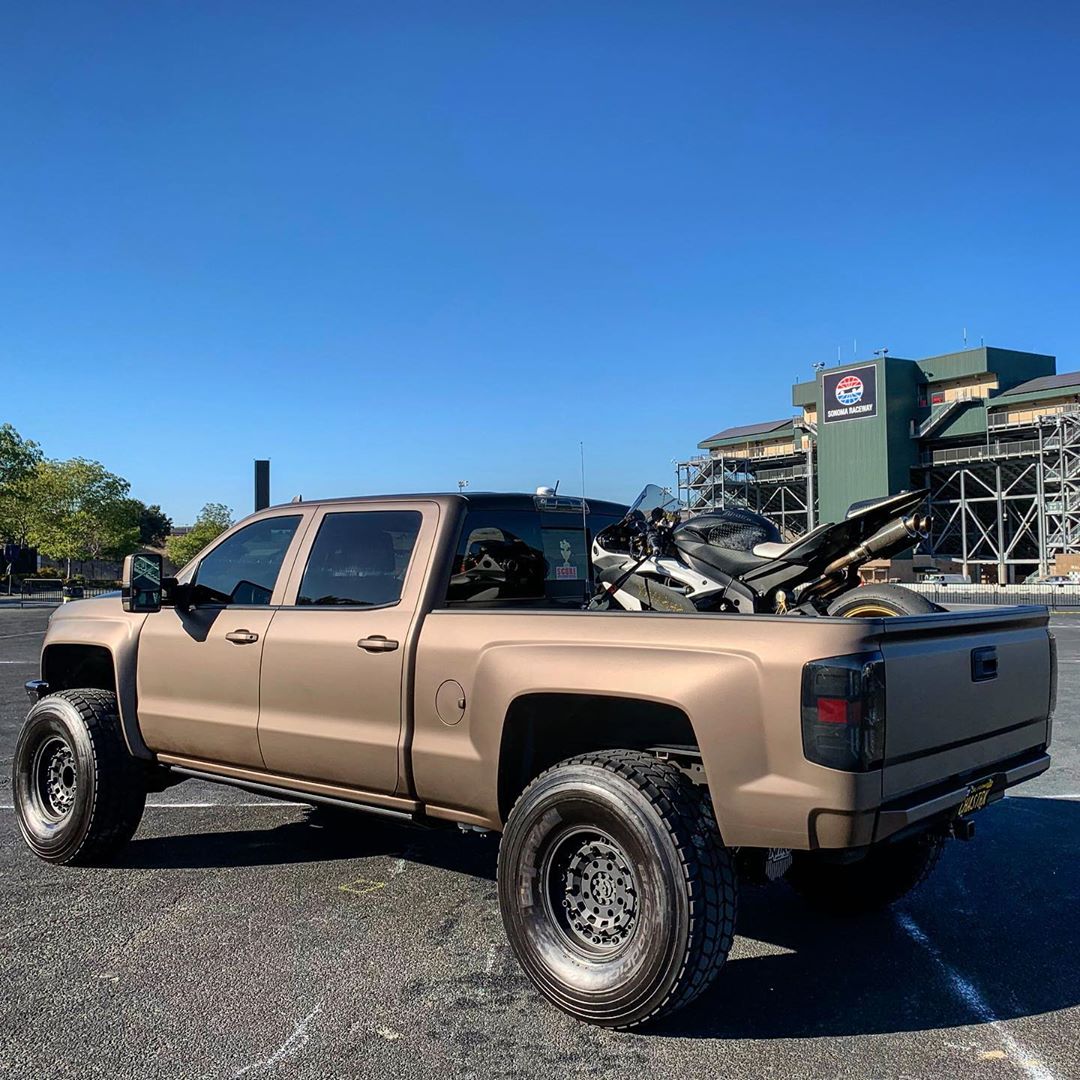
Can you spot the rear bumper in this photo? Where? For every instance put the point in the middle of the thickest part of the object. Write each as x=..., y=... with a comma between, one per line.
x=922, y=806
x=916, y=810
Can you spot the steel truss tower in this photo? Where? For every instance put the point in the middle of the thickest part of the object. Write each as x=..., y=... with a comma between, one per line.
x=1010, y=503
x=776, y=487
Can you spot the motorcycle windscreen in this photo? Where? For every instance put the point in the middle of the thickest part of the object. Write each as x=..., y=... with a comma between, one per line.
x=654, y=497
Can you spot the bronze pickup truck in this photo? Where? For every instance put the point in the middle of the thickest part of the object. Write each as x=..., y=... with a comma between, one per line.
x=428, y=657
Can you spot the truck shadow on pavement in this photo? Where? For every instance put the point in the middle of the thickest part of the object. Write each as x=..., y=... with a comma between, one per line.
x=997, y=919
x=313, y=837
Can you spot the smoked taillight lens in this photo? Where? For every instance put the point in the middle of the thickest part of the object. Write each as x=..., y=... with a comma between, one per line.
x=843, y=712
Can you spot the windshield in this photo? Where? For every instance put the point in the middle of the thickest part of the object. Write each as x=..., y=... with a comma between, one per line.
x=655, y=497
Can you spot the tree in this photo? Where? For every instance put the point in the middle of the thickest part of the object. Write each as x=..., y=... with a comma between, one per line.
x=80, y=510
x=154, y=526
x=213, y=520
x=19, y=459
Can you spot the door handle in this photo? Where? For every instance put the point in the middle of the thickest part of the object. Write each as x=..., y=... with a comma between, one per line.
x=241, y=637
x=377, y=643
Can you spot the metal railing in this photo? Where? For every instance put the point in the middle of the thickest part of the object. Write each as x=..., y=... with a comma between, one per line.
x=940, y=411
x=982, y=452
x=1002, y=420
x=44, y=591
x=767, y=475
x=1052, y=596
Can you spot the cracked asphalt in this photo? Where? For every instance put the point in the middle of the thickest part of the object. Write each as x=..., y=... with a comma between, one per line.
x=253, y=939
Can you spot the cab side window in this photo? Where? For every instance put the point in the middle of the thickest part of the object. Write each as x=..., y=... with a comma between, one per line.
x=245, y=567
x=522, y=558
x=500, y=557
x=360, y=558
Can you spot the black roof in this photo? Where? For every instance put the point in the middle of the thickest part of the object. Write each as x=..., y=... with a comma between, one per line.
x=496, y=500
x=1045, y=382
x=746, y=430
x=491, y=500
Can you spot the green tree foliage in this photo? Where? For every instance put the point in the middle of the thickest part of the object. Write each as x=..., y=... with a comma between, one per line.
x=81, y=511
x=213, y=520
x=154, y=525
x=18, y=456
x=19, y=459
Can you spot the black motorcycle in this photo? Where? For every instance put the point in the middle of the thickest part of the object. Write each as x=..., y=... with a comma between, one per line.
x=735, y=560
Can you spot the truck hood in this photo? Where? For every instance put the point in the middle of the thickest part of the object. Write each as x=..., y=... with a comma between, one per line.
x=109, y=605
x=101, y=620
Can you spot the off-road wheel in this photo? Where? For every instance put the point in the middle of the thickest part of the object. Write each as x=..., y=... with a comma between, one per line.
x=885, y=875
x=877, y=601
x=78, y=793
x=617, y=894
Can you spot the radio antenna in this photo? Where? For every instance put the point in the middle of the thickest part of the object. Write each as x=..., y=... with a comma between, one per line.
x=585, y=528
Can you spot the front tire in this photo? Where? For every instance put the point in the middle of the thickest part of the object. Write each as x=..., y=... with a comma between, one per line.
x=877, y=601
x=79, y=794
x=617, y=894
x=886, y=874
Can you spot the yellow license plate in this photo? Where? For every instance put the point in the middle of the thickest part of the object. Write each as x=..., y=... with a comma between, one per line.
x=977, y=797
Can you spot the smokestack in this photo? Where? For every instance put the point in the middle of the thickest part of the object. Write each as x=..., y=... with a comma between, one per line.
x=262, y=483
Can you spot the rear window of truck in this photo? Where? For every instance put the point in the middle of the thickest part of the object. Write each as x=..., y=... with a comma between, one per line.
x=523, y=558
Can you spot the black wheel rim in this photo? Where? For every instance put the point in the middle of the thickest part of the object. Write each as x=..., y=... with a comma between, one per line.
x=55, y=777
x=590, y=892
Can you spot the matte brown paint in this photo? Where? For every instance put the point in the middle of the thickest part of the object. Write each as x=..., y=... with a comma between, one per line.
x=328, y=718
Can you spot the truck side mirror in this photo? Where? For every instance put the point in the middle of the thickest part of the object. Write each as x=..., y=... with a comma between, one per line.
x=141, y=582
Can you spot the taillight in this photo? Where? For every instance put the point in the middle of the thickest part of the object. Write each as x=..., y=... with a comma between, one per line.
x=843, y=712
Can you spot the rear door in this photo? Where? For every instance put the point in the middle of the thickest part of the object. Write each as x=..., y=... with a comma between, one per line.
x=334, y=665
x=963, y=690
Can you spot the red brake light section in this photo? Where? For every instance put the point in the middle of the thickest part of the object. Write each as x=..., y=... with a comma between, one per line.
x=843, y=712
x=832, y=710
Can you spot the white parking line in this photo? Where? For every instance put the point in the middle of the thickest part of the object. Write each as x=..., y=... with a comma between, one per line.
x=198, y=805
x=1025, y=795
x=1019, y=1054
x=25, y=633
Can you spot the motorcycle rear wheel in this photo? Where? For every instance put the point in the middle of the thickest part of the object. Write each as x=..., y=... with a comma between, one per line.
x=881, y=601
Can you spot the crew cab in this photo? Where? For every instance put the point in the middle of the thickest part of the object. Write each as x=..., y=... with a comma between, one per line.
x=430, y=657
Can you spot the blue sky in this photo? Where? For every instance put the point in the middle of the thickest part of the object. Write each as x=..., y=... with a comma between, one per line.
x=391, y=246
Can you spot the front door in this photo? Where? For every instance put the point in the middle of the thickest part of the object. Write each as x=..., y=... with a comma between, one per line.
x=198, y=671
x=334, y=661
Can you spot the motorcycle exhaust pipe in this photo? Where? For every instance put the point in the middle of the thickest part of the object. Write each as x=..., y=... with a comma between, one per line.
x=892, y=537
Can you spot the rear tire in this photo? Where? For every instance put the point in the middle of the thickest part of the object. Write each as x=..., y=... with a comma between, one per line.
x=877, y=601
x=886, y=874
x=79, y=794
x=617, y=894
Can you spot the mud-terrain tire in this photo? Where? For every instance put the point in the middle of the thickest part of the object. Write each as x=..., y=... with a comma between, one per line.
x=78, y=792
x=886, y=874
x=877, y=601
x=617, y=894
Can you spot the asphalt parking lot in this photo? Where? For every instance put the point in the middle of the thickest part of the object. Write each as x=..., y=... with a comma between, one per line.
x=238, y=938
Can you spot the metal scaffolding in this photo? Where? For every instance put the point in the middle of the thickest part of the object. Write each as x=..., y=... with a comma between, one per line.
x=780, y=488
x=1009, y=504
x=1012, y=504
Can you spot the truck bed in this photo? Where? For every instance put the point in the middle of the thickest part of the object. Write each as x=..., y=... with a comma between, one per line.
x=738, y=680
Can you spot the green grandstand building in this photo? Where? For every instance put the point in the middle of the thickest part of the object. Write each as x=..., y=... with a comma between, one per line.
x=994, y=434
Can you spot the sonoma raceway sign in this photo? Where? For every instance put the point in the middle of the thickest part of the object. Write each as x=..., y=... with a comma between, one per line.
x=850, y=395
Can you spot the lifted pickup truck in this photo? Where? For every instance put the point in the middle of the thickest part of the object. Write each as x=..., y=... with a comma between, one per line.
x=427, y=657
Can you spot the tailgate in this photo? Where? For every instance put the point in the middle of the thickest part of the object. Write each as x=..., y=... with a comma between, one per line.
x=963, y=690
